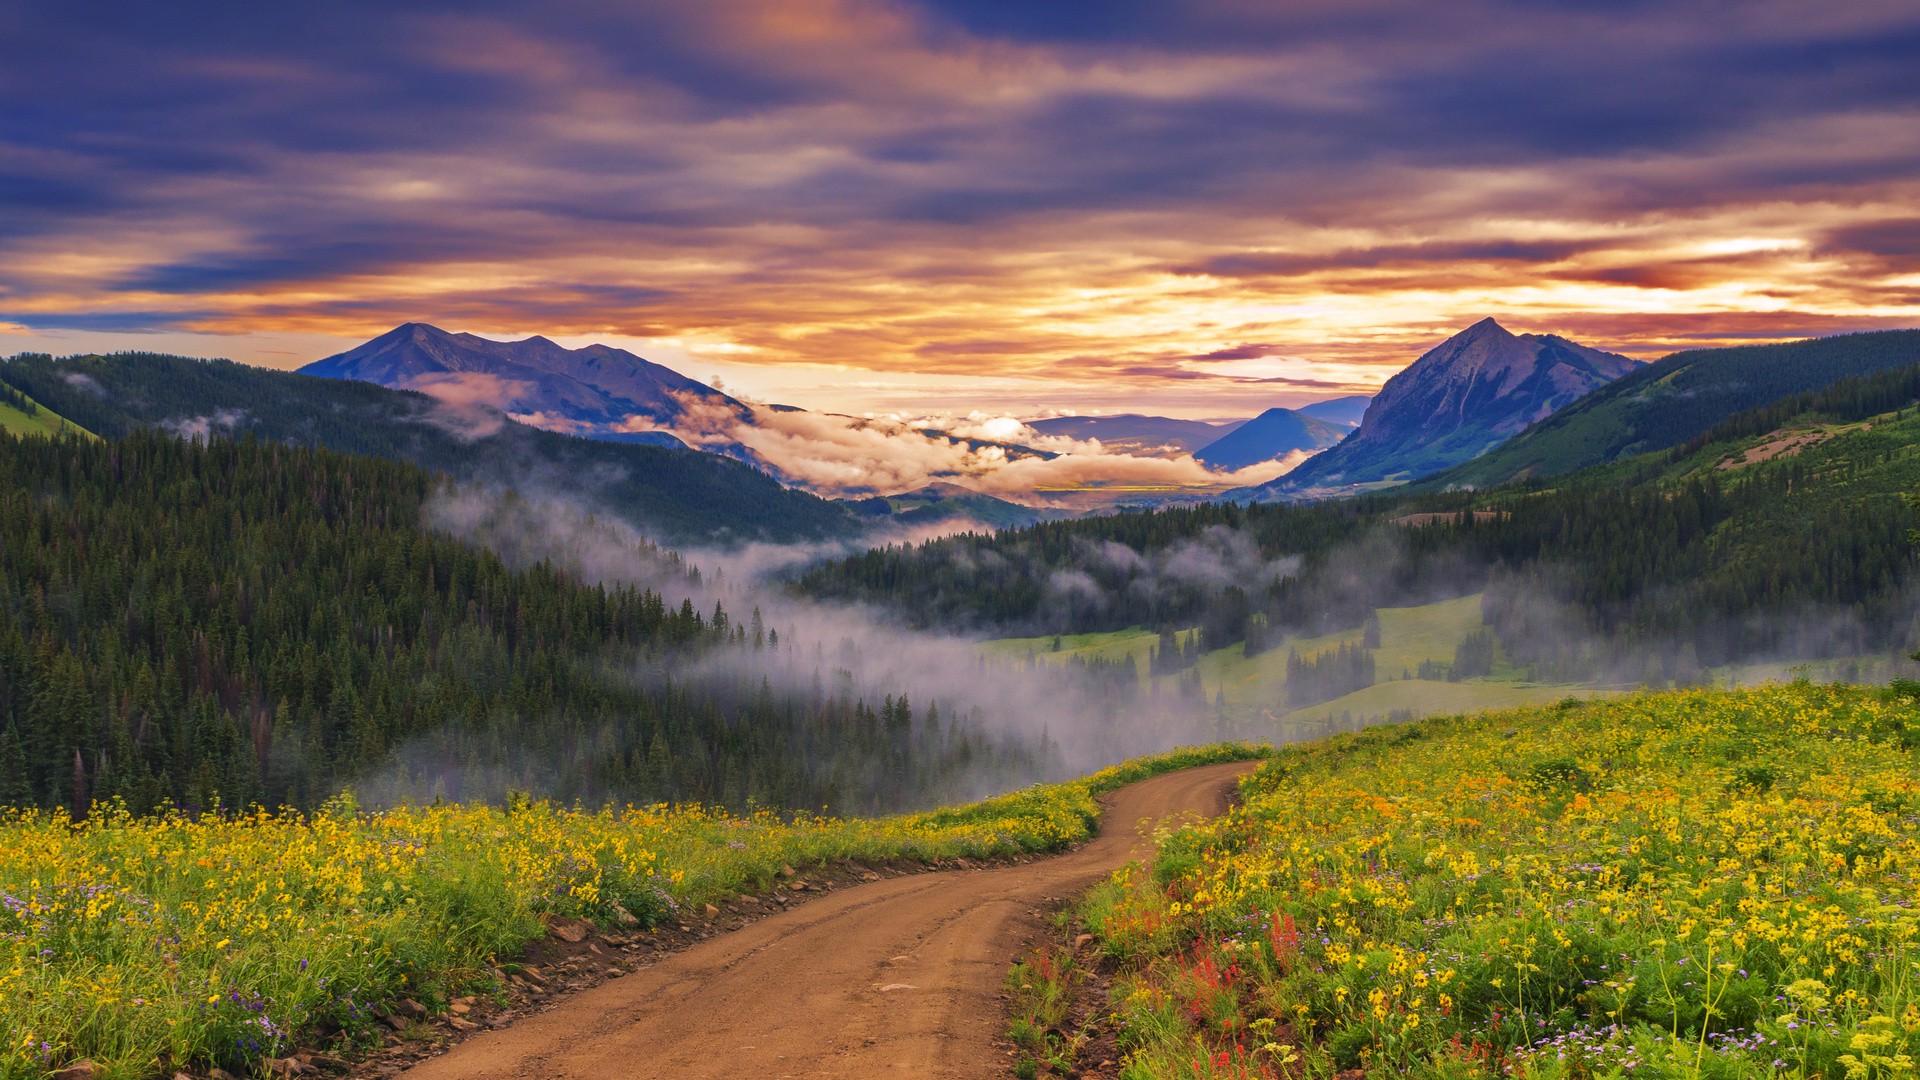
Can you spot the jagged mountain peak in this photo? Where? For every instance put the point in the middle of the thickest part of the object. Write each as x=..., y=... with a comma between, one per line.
x=1458, y=400
x=1488, y=327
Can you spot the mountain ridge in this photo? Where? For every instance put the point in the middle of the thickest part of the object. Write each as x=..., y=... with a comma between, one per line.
x=1344, y=411
x=595, y=390
x=1138, y=433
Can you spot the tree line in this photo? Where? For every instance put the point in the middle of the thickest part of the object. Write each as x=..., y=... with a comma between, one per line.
x=191, y=625
x=1656, y=566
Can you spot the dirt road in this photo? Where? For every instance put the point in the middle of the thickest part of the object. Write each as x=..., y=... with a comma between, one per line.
x=893, y=979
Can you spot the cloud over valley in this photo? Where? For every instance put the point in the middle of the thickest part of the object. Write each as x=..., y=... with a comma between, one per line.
x=886, y=455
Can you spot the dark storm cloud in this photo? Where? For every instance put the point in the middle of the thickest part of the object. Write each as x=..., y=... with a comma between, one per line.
x=1264, y=264
x=122, y=322
x=1897, y=241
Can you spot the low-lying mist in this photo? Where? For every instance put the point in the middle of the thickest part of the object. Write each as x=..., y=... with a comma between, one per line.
x=869, y=706
x=1313, y=580
x=955, y=725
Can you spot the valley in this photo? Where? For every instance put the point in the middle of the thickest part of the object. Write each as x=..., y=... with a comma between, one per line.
x=1251, y=692
x=495, y=679
x=849, y=539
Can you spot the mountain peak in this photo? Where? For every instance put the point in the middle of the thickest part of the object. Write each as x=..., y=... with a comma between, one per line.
x=1273, y=434
x=596, y=390
x=1460, y=399
x=407, y=330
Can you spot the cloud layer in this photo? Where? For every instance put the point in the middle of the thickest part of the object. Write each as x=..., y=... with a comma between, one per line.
x=1265, y=200
x=834, y=454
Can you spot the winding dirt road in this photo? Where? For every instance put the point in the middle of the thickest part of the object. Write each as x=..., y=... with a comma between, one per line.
x=898, y=978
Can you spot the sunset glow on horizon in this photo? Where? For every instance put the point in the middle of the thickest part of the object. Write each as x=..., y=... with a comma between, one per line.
x=893, y=207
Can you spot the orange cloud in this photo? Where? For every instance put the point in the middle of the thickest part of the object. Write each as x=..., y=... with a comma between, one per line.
x=960, y=193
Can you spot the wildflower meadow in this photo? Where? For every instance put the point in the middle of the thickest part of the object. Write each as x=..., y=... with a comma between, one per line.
x=1687, y=884
x=150, y=944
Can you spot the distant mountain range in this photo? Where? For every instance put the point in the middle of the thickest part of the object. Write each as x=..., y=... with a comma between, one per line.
x=1133, y=433
x=1273, y=434
x=1345, y=411
x=1460, y=399
x=948, y=504
x=600, y=392
x=1484, y=407
x=595, y=391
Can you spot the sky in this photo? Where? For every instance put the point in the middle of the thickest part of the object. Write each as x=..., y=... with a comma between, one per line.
x=1196, y=209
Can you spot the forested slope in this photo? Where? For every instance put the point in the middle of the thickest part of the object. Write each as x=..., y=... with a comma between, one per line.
x=1786, y=531
x=679, y=496
x=250, y=621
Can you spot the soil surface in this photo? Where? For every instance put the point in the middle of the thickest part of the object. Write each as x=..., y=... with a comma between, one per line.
x=899, y=977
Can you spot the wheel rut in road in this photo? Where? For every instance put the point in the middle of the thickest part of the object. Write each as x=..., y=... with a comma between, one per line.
x=897, y=978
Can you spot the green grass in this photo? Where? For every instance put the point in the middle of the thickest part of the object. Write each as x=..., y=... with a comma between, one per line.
x=1415, y=698
x=1041, y=990
x=152, y=944
x=1697, y=885
x=43, y=421
x=1114, y=645
x=1256, y=687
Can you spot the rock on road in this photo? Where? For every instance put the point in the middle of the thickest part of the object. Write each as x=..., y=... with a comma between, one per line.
x=898, y=978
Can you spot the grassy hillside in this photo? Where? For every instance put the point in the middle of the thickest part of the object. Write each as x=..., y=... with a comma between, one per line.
x=1407, y=699
x=1676, y=399
x=1408, y=635
x=679, y=496
x=1812, y=508
x=20, y=415
x=149, y=945
x=1697, y=884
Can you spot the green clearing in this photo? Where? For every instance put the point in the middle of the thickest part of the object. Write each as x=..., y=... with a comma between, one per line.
x=1412, y=699
x=42, y=421
x=1113, y=645
x=1255, y=688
